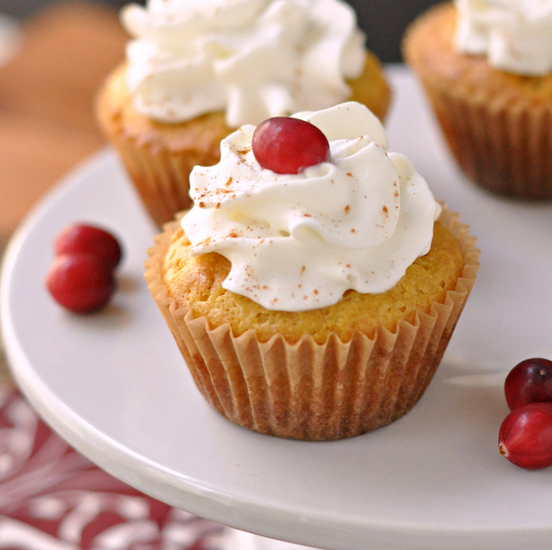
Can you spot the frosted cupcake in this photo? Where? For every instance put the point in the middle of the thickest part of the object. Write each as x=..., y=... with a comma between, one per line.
x=487, y=68
x=195, y=71
x=314, y=305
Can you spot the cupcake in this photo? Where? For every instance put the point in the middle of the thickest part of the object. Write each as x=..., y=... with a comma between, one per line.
x=313, y=305
x=487, y=69
x=193, y=73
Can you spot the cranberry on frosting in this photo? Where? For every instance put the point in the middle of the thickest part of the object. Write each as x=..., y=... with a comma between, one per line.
x=299, y=241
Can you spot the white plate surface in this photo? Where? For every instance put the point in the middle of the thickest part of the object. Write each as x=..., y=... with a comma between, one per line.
x=115, y=386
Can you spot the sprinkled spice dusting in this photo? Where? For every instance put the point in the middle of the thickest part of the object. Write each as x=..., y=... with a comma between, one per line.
x=342, y=218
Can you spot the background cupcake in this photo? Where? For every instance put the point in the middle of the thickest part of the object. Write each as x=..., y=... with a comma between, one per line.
x=194, y=73
x=313, y=305
x=487, y=68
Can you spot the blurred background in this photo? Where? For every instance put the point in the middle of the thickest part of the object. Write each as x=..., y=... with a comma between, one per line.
x=383, y=21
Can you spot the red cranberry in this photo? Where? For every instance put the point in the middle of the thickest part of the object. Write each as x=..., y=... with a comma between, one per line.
x=529, y=382
x=80, y=283
x=89, y=239
x=525, y=436
x=288, y=145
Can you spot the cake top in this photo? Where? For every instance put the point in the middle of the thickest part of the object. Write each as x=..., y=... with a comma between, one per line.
x=515, y=35
x=252, y=59
x=298, y=241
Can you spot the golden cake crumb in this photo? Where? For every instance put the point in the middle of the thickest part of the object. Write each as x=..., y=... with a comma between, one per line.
x=197, y=280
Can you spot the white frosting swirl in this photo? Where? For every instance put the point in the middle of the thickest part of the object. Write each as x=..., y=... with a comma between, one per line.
x=515, y=35
x=253, y=59
x=299, y=241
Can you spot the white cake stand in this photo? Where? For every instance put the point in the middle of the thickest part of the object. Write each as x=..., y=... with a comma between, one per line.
x=114, y=385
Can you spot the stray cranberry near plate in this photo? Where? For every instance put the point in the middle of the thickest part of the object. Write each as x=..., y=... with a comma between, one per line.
x=80, y=283
x=82, y=277
x=525, y=436
x=91, y=240
x=529, y=382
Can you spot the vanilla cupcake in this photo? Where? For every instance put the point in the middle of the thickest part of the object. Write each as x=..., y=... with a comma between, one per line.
x=196, y=71
x=487, y=69
x=314, y=305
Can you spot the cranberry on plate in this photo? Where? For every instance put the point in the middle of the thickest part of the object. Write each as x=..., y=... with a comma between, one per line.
x=82, y=277
x=81, y=283
x=525, y=436
x=529, y=382
x=91, y=240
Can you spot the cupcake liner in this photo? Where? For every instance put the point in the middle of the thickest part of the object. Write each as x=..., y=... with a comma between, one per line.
x=504, y=147
x=498, y=126
x=161, y=177
x=312, y=391
x=158, y=157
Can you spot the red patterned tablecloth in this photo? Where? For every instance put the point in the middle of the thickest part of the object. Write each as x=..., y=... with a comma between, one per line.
x=52, y=498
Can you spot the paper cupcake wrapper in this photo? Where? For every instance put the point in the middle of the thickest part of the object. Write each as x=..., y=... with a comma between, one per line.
x=161, y=177
x=312, y=391
x=158, y=157
x=502, y=144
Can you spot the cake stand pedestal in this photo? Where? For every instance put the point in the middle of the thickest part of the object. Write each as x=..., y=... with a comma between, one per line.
x=114, y=385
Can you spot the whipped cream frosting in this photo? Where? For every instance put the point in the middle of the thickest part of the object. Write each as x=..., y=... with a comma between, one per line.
x=299, y=241
x=253, y=59
x=515, y=35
